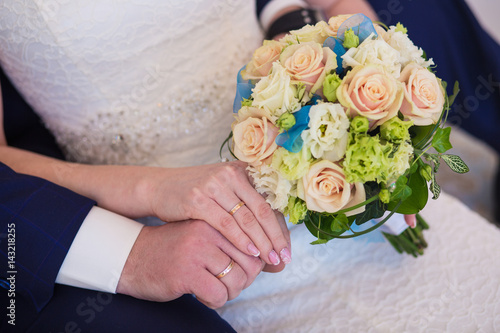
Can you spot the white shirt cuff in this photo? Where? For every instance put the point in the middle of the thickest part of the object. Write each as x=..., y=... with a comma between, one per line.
x=274, y=7
x=99, y=251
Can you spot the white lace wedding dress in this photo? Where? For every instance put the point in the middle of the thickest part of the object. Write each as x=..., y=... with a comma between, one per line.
x=152, y=83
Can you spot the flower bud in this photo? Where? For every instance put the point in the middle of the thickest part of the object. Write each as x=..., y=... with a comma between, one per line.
x=350, y=39
x=426, y=172
x=332, y=82
x=384, y=195
x=286, y=121
x=360, y=124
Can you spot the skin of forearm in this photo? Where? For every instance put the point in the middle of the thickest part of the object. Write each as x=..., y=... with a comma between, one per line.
x=333, y=8
x=125, y=190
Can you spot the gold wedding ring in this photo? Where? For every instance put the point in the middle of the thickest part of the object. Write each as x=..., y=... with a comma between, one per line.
x=226, y=270
x=236, y=207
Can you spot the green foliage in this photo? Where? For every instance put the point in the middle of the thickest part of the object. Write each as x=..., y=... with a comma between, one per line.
x=434, y=187
x=455, y=163
x=441, y=140
x=374, y=209
x=401, y=191
x=420, y=135
x=418, y=198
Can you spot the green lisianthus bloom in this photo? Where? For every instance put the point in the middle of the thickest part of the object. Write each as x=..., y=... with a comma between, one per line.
x=286, y=121
x=399, y=160
x=366, y=159
x=350, y=39
x=396, y=130
x=296, y=210
x=360, y=124
x=290, y=165
x=330, y=85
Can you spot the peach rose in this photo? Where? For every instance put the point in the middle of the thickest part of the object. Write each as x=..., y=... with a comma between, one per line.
x=254, y=135
x=334, y=24
x=262, y=60
x=308, y=63
x=324, y=189
x=370, y=92
x=424, y=95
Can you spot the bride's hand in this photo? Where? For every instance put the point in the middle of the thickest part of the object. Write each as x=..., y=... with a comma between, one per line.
x=213, y=193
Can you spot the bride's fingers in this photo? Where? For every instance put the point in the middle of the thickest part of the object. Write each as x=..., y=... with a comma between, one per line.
x=239, y=219
x=267, y=220
x=411, y=220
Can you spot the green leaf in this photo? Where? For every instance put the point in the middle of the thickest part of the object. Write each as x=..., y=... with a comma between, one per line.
x=441, y=140
x=323, y=222
x=374, y=209
x=456, y=90
x=455, y=163
x=402, y=191
x=420, y=135
x=340, y=223
x=435, y=188
x=418, y=198
x=319, y=241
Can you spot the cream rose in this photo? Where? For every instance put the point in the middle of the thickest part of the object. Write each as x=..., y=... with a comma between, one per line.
x=262, y=60
x=324, y=189
x=276, y=93
x=370, y=92
x=308, y=63
x=423, y=95
x=308, y=33
x=254, y=136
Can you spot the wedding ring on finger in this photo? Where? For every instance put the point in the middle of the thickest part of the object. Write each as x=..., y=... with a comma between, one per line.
x=236, y=207
x=226, y=270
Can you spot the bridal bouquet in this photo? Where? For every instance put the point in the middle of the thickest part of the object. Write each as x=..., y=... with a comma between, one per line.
x=336, y=122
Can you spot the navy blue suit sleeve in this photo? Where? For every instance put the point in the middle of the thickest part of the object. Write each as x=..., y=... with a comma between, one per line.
x=39, y=221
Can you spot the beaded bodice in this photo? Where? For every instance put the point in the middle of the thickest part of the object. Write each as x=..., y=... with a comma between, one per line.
x=130, y=81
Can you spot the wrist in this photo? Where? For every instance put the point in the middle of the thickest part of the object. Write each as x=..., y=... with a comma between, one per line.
x=130, y=276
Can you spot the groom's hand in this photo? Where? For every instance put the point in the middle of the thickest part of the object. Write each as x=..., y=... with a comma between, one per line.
x=184, y=258
x=222, y=195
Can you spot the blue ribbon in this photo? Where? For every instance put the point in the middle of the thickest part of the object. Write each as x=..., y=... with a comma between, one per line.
x=336, y=46
x=291, y=140
x=243, y=91
x=360, y=24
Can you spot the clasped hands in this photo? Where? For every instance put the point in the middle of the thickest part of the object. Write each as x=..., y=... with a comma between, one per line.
x=227, y=236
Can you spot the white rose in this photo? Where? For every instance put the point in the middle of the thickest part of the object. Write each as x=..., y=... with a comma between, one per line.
x=374, y=51
x=327, y=133
x=308, y=33
x=272, y=185
x=276, y=93
x=408, y=52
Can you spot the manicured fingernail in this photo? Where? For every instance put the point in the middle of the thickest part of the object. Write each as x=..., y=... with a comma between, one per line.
x=286, y=256
x=273, y=256
x=253, y=250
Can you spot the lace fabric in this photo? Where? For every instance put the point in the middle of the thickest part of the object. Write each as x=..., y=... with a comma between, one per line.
x=130, y=82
